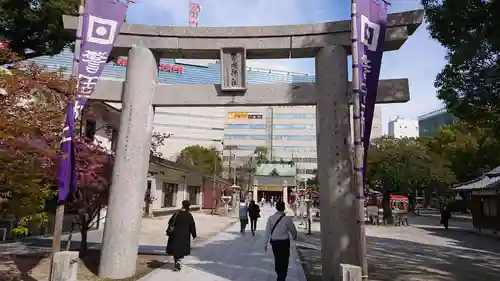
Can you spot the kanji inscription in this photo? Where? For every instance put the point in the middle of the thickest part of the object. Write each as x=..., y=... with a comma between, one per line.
x=233, y=69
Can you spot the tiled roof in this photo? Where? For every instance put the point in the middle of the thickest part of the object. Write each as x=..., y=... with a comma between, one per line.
x=494, y=172
x=276, y=169
x=273, y=181
x=490, y=180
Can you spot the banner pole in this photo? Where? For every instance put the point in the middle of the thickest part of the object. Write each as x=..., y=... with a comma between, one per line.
x=358, y=145
x=59, y=216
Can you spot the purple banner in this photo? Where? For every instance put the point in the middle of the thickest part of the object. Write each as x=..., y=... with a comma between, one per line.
x=371, y=24
x=102, y=20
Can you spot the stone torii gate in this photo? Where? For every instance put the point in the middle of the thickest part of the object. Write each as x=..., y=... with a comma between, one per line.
x=329, y=43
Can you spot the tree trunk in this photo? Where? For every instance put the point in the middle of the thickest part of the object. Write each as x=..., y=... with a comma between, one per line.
x=84, y=228
x=386, y=203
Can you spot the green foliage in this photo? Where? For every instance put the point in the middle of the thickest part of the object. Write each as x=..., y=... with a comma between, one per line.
x=313, y=182
x=260, y=155
x=207, y=160
x=470, y=82
x=401, y=165
x=470, y=150
x=36, y=25
x=457, y=153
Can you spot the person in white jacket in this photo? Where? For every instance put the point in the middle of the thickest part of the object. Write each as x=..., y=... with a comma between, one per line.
x=243, y=215
x=279, y=227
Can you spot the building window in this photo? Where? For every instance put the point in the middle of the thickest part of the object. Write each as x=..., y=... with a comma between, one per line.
x=90, y=128
x=189, y=115
x=247, y=148
x=169, y=191
x=309, y=137
x=194, y=192
x=187, y=126
x=294, y=127
x=490, y=206
x=245, y=126
x=244, y=137
x=295, y=148
x=293, y=116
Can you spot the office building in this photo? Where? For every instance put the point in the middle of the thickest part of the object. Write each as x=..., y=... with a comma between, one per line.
x=403, y=128
x=290, y=131
x=376, y=131
x=430, y=123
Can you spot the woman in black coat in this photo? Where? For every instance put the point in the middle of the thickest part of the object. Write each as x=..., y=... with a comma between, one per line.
x=179, y=241
x=254, y=214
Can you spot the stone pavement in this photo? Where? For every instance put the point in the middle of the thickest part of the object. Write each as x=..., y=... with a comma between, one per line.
x=230, y=256
x=152, y=238
x=423, y=251
x=437, y=214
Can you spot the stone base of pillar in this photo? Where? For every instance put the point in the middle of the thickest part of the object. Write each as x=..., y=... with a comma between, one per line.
x=350, y=272
x=65, y=266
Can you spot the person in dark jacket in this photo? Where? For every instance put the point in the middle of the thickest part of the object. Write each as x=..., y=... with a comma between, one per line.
x=445, y=217
x=254, y=214
x=179, y=240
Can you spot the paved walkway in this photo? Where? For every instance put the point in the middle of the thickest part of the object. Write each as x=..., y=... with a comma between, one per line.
x=231, y=256
x=423, y=251
x=152, y=239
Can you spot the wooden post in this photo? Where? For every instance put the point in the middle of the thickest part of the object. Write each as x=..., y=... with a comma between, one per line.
x=58, y=228
x=59, y=217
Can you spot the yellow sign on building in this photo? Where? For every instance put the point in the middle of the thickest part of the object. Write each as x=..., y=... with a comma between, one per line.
x=238, y=115
x=269, y=188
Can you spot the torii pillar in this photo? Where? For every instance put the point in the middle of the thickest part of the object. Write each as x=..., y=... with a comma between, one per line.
x=126, y=197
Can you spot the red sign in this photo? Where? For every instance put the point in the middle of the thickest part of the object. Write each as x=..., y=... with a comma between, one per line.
x=3, y=44
x=163, y=67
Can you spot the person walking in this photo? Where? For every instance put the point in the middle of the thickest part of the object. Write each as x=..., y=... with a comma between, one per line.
x=243, y=215
x=254, y=214
x=181, y=227
x=279, y=227
x=445, y=217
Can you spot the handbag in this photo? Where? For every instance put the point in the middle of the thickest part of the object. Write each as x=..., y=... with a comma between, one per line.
x=171, y=225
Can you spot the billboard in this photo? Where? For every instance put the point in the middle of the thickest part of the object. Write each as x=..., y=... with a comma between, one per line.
x=244, y=115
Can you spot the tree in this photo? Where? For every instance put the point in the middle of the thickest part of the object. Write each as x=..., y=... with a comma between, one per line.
x=207, y=160
x=400, y=166
x=314, y=182
x=35, y=28
x=469, y=84
x=30, y=125
x=260, y=155
x=470, y=150
x=32, y=109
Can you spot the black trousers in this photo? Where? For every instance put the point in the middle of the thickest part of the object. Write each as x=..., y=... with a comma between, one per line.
x=253, y=224
x=281, y=251
x=243, y=224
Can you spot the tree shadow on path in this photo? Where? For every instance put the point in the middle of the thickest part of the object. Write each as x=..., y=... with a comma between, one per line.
x=401, y=260
x=232, y=256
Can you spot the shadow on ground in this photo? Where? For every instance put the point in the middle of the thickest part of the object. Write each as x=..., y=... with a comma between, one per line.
x=18, y=267
x=397, y=260
x=230, y=256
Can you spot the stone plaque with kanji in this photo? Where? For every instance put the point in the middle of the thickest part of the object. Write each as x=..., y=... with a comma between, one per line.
x=233, y=69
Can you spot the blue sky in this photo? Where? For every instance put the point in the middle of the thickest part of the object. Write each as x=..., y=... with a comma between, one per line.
x=420, y=59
